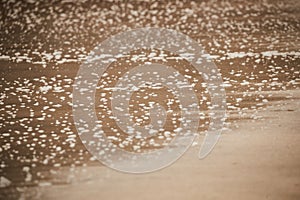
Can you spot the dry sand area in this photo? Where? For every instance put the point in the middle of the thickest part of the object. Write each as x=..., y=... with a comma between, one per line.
x=256, y=47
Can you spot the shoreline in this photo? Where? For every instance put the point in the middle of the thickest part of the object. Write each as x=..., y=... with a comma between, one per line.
x=257, y=160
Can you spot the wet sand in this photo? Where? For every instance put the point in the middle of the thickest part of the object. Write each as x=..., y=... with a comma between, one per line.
x=257, y=160
x=254, y=44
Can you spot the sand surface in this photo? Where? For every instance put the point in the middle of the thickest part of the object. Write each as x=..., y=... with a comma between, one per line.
x=257, y=160
x=254, y=44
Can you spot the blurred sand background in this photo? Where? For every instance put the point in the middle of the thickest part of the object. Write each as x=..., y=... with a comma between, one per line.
x=255, y=44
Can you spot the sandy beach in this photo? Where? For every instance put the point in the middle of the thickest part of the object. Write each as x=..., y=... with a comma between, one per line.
x=255, y=45
x=256, y=160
